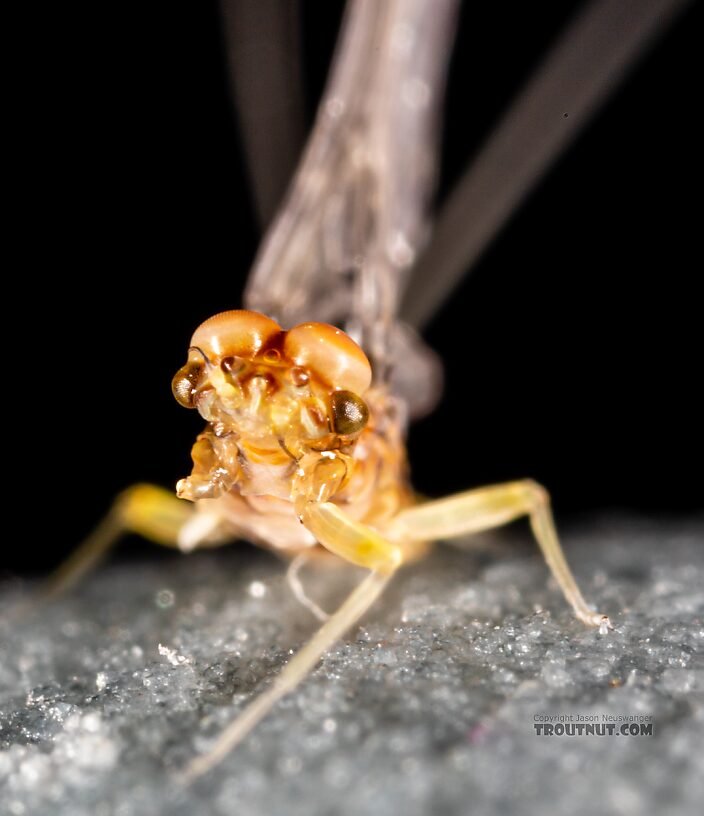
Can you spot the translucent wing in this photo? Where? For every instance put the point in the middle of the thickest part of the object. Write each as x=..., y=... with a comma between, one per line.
x=355, y=215
x=578, y=73
x=355, y=219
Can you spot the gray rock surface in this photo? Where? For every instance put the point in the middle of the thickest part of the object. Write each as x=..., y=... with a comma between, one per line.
x=428, y=706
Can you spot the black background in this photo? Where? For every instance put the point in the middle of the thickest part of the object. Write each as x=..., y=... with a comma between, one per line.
x=573, y=352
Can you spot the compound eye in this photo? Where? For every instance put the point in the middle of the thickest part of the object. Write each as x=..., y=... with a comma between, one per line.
x=185, y=382
x=330, y=355
x=349, y=413
x=237, y=333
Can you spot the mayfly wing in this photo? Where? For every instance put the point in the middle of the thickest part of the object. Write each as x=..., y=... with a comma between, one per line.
x=356, y=213
x=578, y=74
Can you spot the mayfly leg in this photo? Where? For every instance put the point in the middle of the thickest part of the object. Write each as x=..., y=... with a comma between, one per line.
x=489, y=507
x=357, y=544
x=150, y=511
x=293, y=673
x=294, y=582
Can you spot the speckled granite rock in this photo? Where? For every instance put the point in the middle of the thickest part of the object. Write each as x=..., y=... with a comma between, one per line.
x=428, y=707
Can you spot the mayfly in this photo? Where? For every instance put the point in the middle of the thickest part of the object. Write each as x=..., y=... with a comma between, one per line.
x=307, y=391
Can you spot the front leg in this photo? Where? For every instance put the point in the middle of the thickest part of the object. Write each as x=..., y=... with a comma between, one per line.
x=215, y=467
x=354, y=542
x=494, y=506
x=349, y=539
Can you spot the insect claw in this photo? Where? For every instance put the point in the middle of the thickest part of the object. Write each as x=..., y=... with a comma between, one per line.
x=604, y=625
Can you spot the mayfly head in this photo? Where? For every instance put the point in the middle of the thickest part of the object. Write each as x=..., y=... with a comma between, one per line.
x=296, y=389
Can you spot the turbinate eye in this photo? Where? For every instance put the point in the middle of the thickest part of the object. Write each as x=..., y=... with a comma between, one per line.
x=349, y=413
x=185, y=382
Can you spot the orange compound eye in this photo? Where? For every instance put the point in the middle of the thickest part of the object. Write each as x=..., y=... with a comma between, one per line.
x=237, y=333
x=330, y=354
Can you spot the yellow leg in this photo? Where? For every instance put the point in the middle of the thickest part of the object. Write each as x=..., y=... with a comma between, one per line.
x=150, y=511
x=355, y=543
x=294, y=582
x=349, y=539
x=493, y=506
